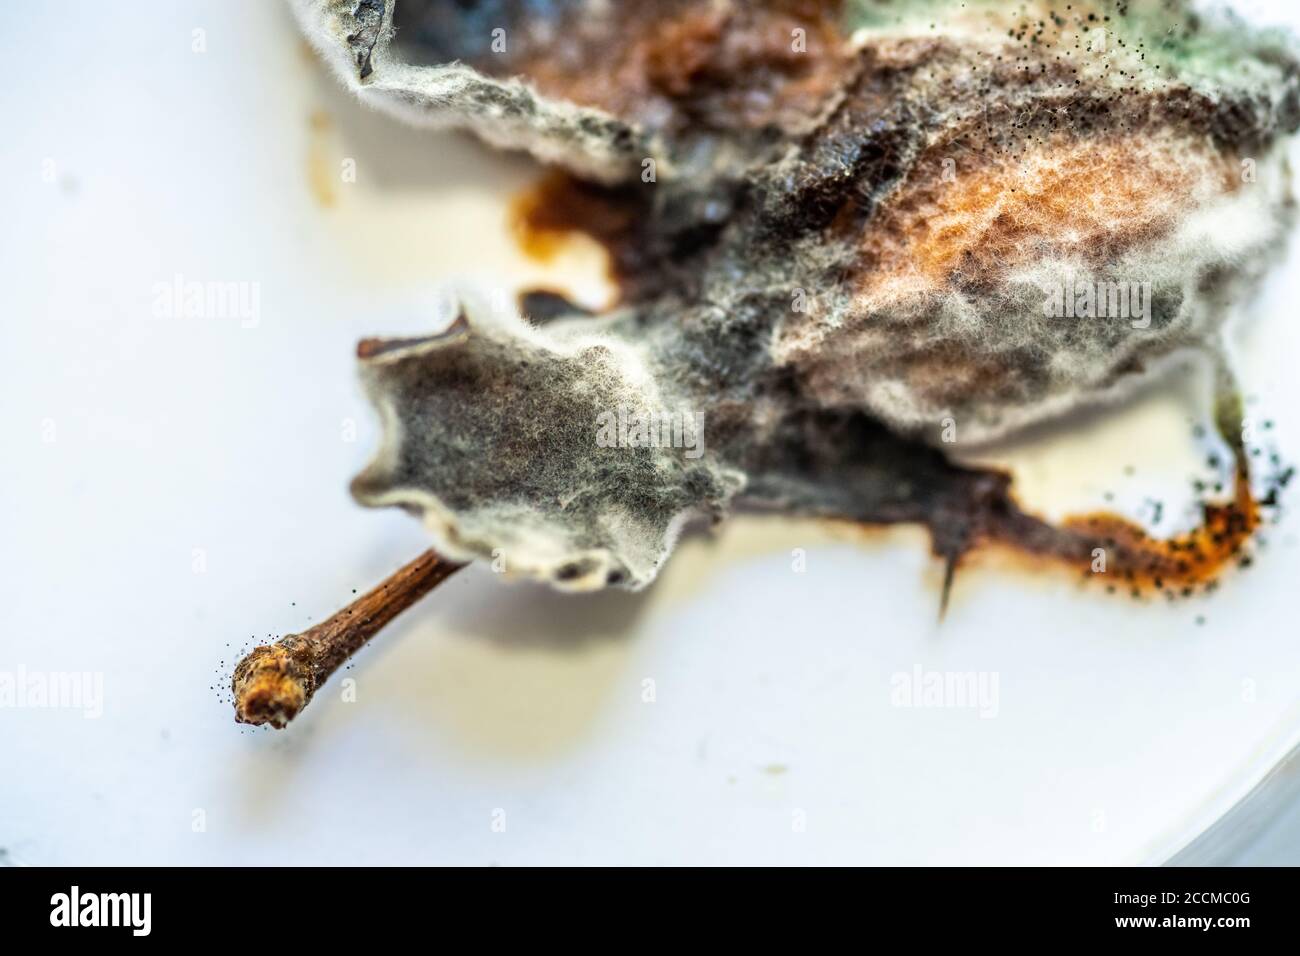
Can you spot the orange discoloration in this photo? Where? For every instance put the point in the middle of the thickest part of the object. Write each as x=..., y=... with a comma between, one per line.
x=1116, y=552
x=1092, y=199
x=545, y=217
x=539, y=236
x=1179, y=564
x=680, y=63
x=271, y=687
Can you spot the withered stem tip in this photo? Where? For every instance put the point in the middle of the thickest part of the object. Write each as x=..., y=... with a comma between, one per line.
x=275, y=682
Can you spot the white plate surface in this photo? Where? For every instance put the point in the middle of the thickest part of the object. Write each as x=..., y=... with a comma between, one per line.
x=175, y=489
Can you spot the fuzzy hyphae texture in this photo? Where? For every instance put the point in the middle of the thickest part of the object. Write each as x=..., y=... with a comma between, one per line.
x=849, y=228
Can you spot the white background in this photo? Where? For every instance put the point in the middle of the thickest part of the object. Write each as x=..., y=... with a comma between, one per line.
x=1121, y=729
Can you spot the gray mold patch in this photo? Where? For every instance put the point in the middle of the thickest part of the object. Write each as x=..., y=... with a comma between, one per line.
x=829, y=293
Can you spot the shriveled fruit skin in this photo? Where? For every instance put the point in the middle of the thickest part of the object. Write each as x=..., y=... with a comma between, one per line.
x=845, y=231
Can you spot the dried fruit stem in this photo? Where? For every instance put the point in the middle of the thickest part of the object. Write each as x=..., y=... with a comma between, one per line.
x=274, y=682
